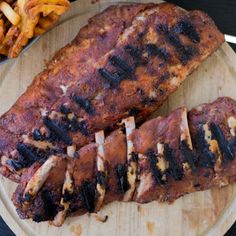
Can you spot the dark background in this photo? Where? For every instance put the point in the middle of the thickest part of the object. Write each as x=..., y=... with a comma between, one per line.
x=224, y=14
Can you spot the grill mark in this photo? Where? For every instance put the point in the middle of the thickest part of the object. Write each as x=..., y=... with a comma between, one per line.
x=16, y=164
x=188, y=155
x=56, y=130
x=64, y=109
x=34, y=155
x=50, y=208
x=113, y=80
x=153, y=50
x=223, y=143
x=74, y=125
x=153, y=166
x=134, y=111
x=26, y=153
x=37, y=135
x=121, y=174
x=101, y=178
x=173, y=170
x=134, y=157
x=82, y=127
x=67, y=196
x=186, y=53
x=186, y=27
x=136, y=54
x=84, y=103
x=147, y=101
x=205, y=157
x=88, y=196
x=121, y=64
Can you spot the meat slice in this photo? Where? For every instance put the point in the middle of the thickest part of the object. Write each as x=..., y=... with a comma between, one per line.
x=163, y=167
x=116, y=160
x=126, y=61
x=46, y=203
x=84, y=176
x=166, y=157
x=212, y=128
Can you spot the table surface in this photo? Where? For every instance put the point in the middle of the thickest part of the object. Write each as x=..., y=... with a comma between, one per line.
x=223, y=12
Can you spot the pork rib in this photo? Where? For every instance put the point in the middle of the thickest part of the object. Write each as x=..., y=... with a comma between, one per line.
x=175, y=155
x=127, y=60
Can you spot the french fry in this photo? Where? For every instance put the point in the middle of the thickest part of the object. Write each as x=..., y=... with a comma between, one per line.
x=11, y=15
x=2, y=29
x=9, y=40
x=25, y=19
x=32, y=3
x=48, y=21
x=46, y=10
x=45, y=23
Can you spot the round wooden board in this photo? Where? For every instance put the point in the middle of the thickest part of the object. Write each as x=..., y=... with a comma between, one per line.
x=203, y=213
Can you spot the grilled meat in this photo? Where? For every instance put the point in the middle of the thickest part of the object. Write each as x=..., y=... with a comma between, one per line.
x=127, y=60
x=167, y=157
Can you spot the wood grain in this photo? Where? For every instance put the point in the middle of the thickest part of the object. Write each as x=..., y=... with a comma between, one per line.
x=203, y=213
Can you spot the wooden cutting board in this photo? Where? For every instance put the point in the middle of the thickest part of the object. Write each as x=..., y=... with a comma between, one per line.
x=204, y=213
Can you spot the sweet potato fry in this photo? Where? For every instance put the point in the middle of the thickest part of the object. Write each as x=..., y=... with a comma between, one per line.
x=46, y=10
x=10, y=14
x=9, y=40
x=30, y=18
x=32, y=3
x=2, y=28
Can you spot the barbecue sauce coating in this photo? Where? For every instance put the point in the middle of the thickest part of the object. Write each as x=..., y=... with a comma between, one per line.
x=127, y=57
x=178, y=154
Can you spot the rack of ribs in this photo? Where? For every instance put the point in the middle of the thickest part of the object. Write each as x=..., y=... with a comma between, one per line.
x=126, y=61
x=163, y=159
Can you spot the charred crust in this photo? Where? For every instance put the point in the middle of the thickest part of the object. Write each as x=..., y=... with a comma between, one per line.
x=83, y=128
x=84, y=103
x=26, y=152
x=152, y=157
x=64, y=109
x=101, y=178
x=136, y=54
x=174, y=170
x=37, y=135
x=134, y=111
x=121, y=64
x=224, y=146
x=113, y=80
x=57, y=131
x=16, y=164
x=186, y=53
x=75, y=125
x=27, y=197
x=206, y=158
x=50, y=208
x=186, y=27
x=189, y=156
x=67, y=196
x=153, y=50
x=38, y=218
x=87, y=191
x=165, y=76
x=121, y=173
x=148, y=101
x=197, y=185
x=28, y=160
x=207, y=174
x=134, y=156
x=140, y=92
